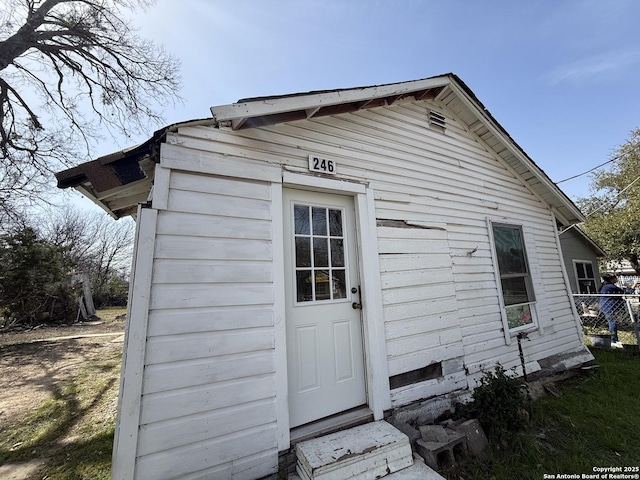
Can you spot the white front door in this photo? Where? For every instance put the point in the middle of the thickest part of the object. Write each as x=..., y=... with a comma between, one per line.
x=324, y=335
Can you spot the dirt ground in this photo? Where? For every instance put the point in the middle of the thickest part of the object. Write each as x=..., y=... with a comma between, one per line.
x=34, y=362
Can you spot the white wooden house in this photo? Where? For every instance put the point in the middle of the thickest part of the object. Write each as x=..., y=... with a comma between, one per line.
x=306, y=260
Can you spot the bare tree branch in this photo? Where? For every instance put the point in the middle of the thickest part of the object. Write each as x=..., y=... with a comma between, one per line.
x=71, y=70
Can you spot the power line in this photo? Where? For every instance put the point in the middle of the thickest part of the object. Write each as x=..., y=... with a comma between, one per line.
x=617, y=157
x=588, y=171
x=591, y=213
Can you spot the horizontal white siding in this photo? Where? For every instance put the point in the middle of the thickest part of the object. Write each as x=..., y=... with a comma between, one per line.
x=208, y=406
x=440, y=300
x=421, y=319
x=208, y=400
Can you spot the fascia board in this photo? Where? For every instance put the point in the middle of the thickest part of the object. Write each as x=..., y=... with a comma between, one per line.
x=514, y=149
x=277, y=105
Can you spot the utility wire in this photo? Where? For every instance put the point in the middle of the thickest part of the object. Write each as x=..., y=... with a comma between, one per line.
x=617, y=157
x=591, y=213
x=589, y=171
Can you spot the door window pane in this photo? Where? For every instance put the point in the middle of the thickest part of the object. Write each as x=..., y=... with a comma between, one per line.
x=319, y=253
x=304, y=288
x=335, y=223
x=323, y=292
x=301, y=219
x=339, y=284
x=337, y=252
x=303, y=252
x=319, y=221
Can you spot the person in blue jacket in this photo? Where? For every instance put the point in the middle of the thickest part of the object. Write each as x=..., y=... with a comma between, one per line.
x=612, y=307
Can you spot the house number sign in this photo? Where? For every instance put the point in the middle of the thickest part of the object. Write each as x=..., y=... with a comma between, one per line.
x=318, y=164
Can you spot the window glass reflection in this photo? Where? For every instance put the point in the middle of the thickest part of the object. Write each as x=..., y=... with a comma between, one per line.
x=323, y=292
x=320, y=252
x=335, y=223
x=339, y=284
x=303, y=251
x=304, y=288
x=319, y=219
x=301, y=219
x=337, y=252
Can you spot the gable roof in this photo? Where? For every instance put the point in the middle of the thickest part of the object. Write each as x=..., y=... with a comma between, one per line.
x=120, y=195
x=576, y=232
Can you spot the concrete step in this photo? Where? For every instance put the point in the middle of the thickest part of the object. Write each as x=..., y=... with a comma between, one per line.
x=417, y=471
x=365, y=452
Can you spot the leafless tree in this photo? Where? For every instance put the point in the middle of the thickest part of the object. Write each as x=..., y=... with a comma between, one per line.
x=97, y=245
x=94, y=240
x=70, y=71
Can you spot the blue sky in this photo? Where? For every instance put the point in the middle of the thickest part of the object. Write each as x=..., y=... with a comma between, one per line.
x=561, y=77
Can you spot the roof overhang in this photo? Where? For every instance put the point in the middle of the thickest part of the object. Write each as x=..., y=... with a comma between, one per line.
x=119, y=181
x=448, y=90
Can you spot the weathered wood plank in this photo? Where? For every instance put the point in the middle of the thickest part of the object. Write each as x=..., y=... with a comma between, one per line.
x=414, y=278
x=206, y=345
x=202, y=427
x=400, y=262
x=162, y=406
x=177, y=247
x=206, y=225
x=211, y=271
x=210, y=319
x=422, y=341
x=430, y=388
x=179, y=158
x=224, y=186
x=186, y=373
x=177, y=296
x=418, y=309
x=444, y=292
x=414, y=360
x=429, y=323
x=209, y=204
x=203, y=455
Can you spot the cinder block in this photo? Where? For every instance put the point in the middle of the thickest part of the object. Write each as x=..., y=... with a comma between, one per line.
x=476, y=439
x=439, y=455
x=409, y=430
x=433, y=433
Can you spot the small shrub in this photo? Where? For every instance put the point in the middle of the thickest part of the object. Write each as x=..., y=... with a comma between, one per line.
x=500, y=404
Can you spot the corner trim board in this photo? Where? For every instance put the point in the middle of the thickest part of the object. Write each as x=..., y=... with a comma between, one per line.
x=126, y=435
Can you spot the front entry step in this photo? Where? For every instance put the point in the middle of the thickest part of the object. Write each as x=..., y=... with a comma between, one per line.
x=365, y=452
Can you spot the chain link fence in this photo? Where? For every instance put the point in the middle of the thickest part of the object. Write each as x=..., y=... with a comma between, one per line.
x=596, y=311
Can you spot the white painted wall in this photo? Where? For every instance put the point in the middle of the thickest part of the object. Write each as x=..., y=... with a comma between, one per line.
x=209, y=392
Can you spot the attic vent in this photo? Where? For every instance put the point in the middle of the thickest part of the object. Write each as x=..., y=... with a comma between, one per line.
x=437, y=120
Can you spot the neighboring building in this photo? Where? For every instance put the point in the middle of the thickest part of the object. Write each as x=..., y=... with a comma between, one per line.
x=627, y=275
x=304, y=261
x=581, y=256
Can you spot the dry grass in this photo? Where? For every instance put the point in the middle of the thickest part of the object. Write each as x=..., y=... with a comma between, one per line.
x=72, y=430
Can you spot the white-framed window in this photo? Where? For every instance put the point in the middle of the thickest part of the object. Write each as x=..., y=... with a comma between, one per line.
x=515, y=282
x=585, y=277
